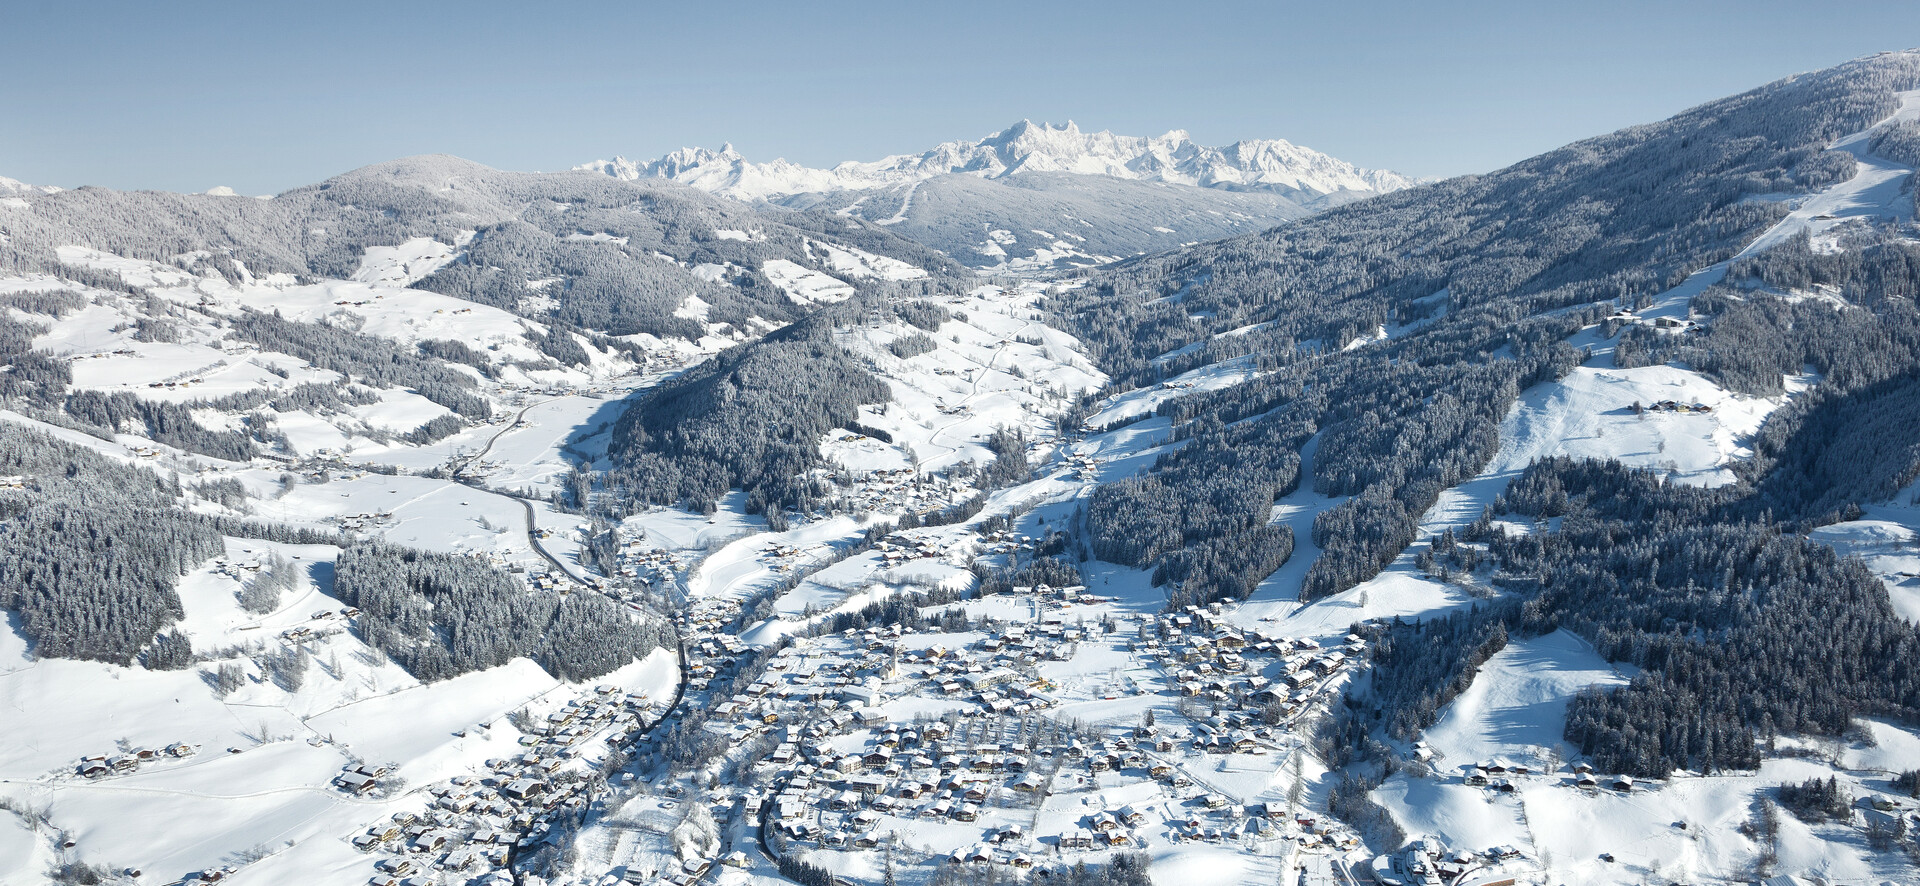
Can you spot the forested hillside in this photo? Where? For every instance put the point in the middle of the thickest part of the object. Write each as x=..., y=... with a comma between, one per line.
x=1475, y=284
x=1401, y=330
x=750, y=419
x=439, y=616
x=578, y=248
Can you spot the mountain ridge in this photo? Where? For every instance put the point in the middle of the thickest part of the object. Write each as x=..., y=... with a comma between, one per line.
x=1275, y=165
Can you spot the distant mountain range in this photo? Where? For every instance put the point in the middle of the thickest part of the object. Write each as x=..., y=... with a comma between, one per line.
x=1259, y=164
x=1072, y=199
x=15, y=186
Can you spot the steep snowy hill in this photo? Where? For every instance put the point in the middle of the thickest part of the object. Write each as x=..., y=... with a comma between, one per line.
x=1035, y=197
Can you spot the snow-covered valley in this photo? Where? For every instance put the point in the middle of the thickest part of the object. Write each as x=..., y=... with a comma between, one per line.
x=437, y=525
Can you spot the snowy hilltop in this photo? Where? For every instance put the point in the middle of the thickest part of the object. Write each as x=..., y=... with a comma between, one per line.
x=1258, y=164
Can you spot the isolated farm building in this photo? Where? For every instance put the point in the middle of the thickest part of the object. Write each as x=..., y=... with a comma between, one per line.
x=356, y=784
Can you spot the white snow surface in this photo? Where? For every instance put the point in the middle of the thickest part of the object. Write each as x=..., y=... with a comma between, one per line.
x=1879, y=189
x=805, y=285
x=406, y=264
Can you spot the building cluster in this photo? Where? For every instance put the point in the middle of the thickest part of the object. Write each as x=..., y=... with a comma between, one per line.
x=367, y=522
x=321, y=624
x=1428, y=862
x=1499, y=775
x=176, y=385
x=781, y=557
x=470, y=822
x=648, y=566
x=1674, y=406
x=901, y=547
x=836, y=772
x=1207, y=658
x=1085, y=467
x=98, y=766
x=900, y=490
x=1664, y=324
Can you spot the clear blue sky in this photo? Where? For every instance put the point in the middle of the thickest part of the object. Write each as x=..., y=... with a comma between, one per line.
x=266, y=96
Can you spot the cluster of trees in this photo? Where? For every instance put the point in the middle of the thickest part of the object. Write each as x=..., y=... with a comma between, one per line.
x=261, y=594
x=794, y=866
x=1419, y=667
x=1201, y=518
x=455, y=352
x=170, y=651
x=1482, y=278
x=1741, y=629
x=434, y=430
x=162, y=422
x=1908, y=781
x=50, y=302
x=1351, y=801
x=1009, y=465
x=1817, y=800
x=751, y=418
x=364, y=358
x=921, y=314
x=32, y=376
x=1898, y=141
x=438, y=616
x=908, y=346
x=89, y=559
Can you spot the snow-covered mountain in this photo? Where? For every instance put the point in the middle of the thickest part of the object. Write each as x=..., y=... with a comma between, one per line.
x=1258, y=164
x=9, y=186
x=1036, y=197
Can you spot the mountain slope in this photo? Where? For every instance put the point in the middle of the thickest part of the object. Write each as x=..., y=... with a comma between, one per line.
x=1426, y=348
x=616, y=257
x=1054, y=221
